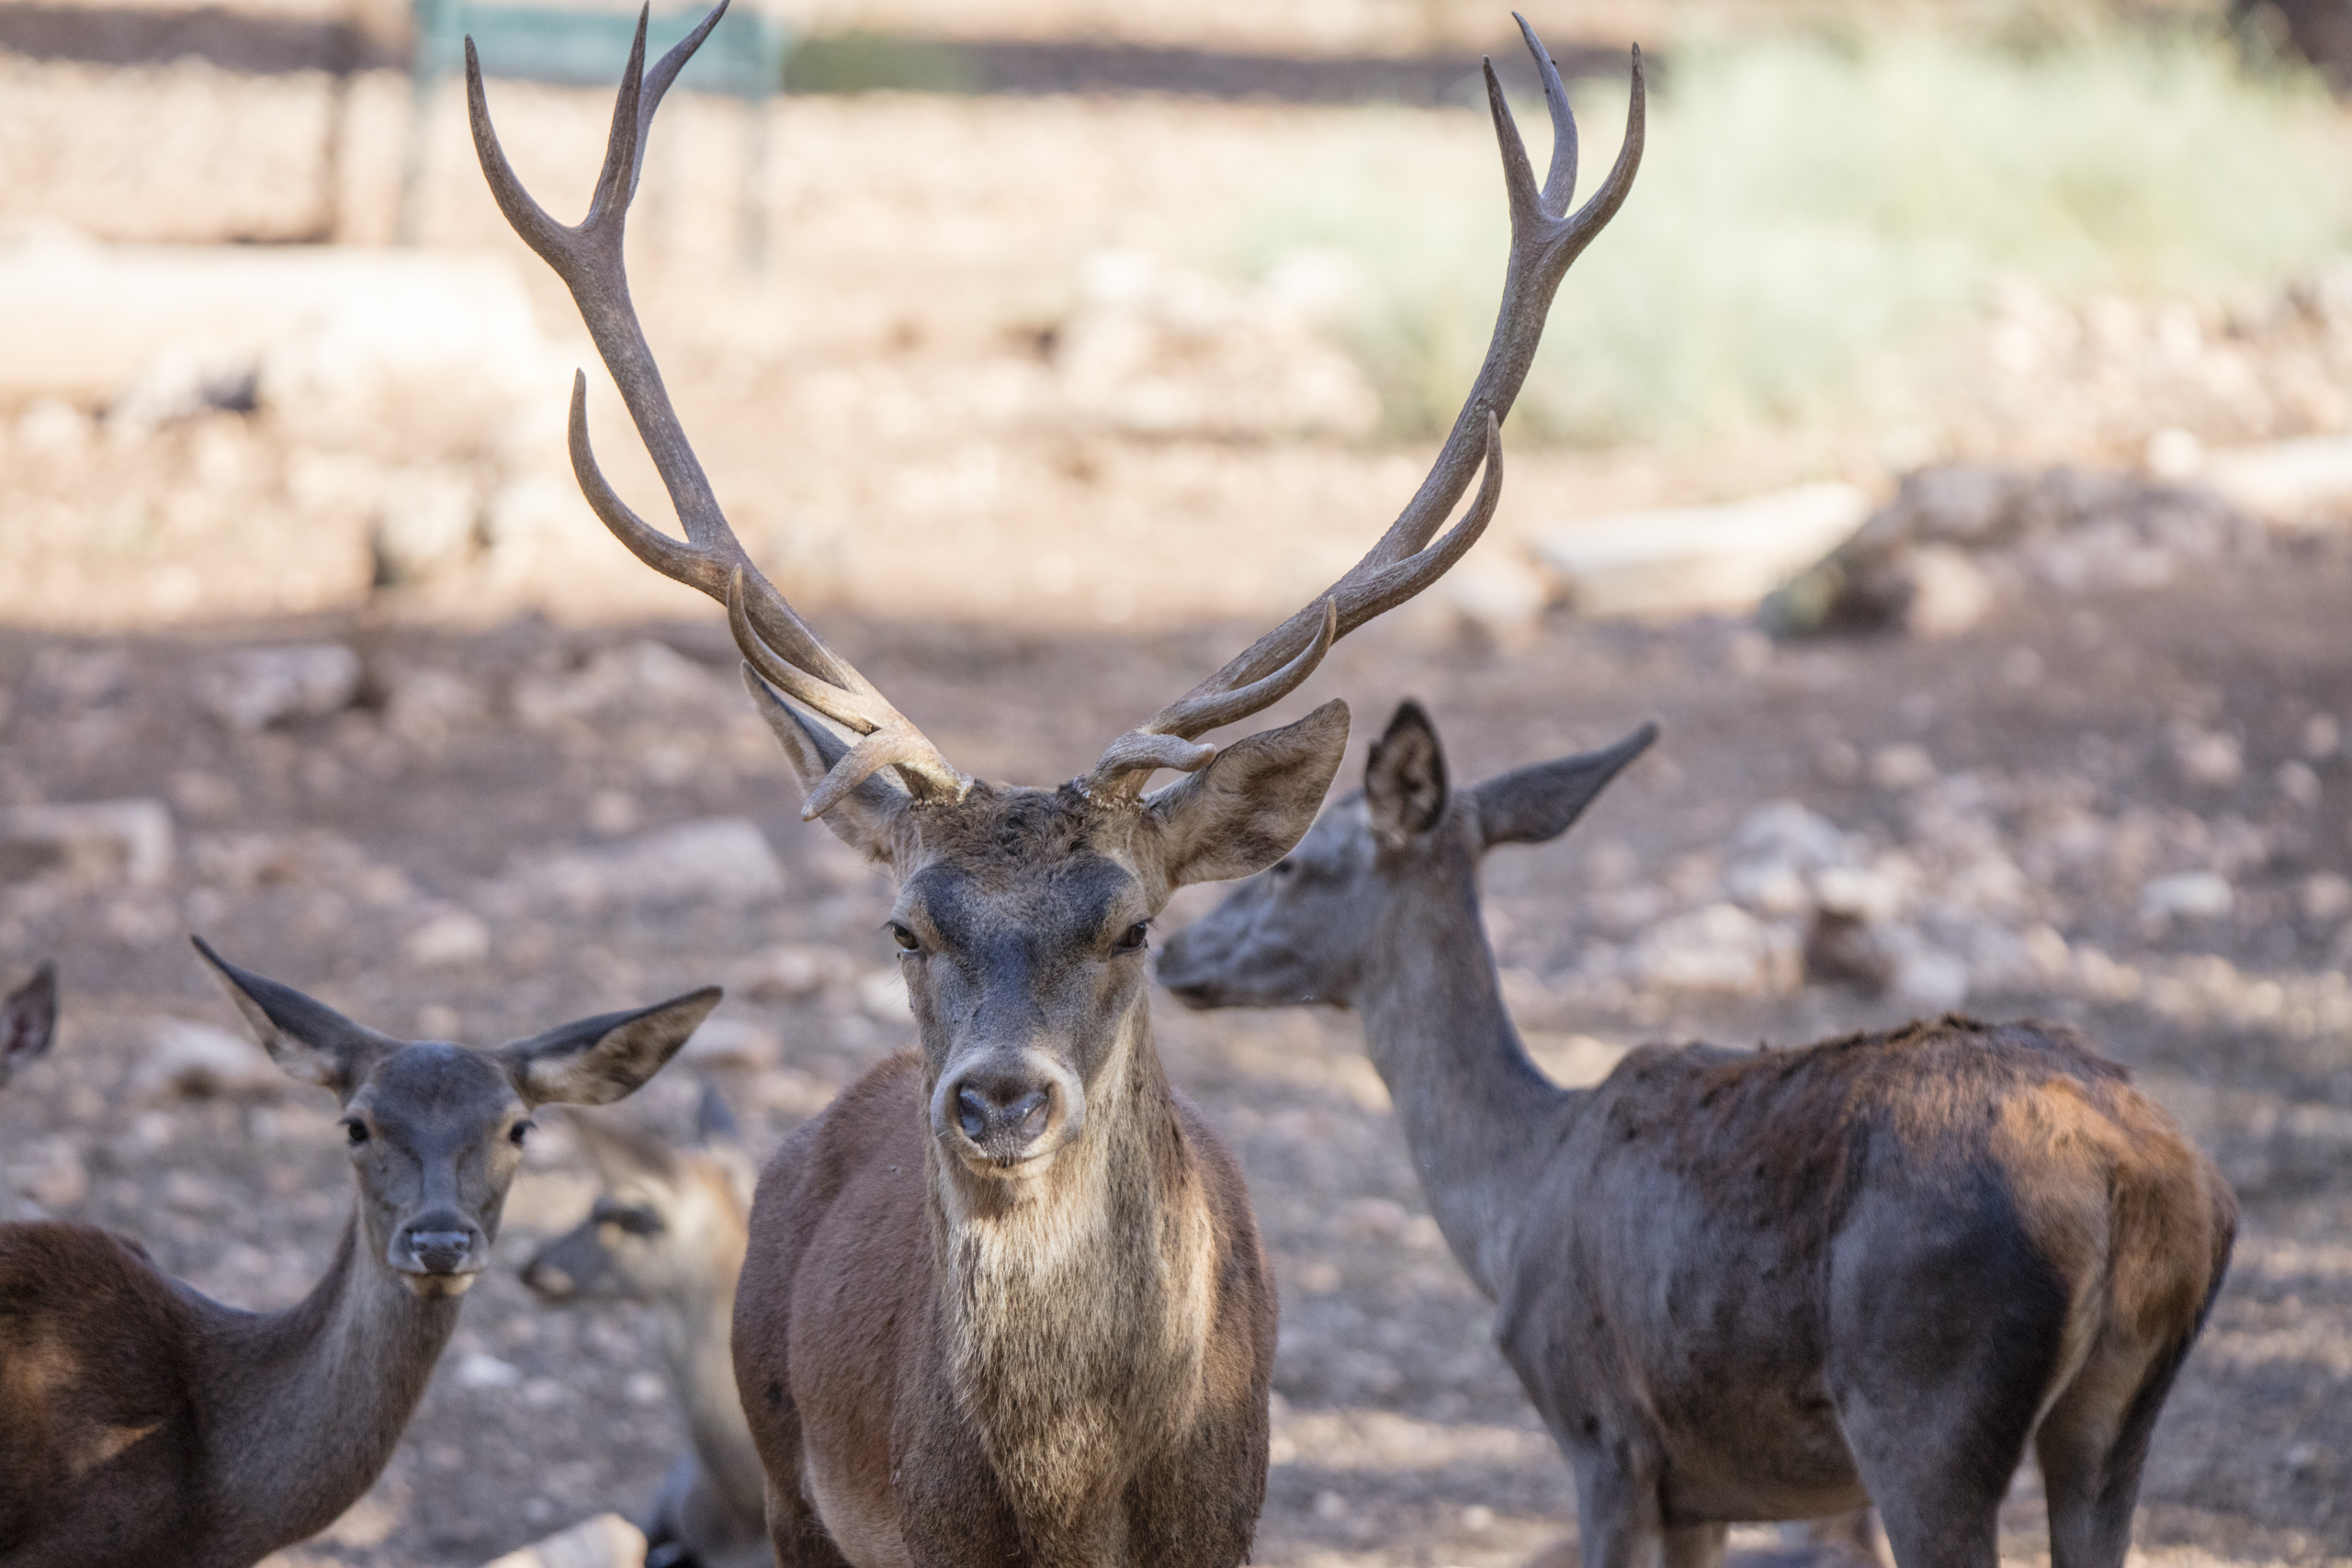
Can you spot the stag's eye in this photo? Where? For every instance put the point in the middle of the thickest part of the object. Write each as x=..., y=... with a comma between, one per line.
x=357, y=1131
x=903, y=937
x=1132, y=939
x=522, y=1130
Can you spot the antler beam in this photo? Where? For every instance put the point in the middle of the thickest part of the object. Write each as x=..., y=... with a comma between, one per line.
x=783, y=649
x=1546, y=237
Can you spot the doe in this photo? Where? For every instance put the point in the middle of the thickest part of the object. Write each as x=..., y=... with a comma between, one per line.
x=141, y=1422
x=1004, y=1300
x=1752, y=1285
x=668, y=1231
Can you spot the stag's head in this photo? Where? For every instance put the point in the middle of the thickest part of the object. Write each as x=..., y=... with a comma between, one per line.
x=437, y=1130
x=1022, y=912
x=1405, y=847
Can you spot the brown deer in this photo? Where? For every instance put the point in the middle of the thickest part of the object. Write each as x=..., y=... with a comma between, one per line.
x=1004, y=1300
x=141, y=1422
x=28, y=1020
x=668, y=1231
x=1752, y=1285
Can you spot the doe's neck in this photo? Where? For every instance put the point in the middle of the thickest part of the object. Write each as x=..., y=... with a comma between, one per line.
x=1480, y=1119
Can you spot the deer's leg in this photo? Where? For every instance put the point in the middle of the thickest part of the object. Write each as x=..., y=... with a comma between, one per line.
x=1696, y=1546
x=1618, y=1520
x=2093, y=1444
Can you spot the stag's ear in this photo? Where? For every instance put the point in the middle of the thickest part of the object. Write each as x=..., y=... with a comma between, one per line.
x=29, y=1019
x=867, y=818
x=1530, y=804
x=1252, y=803
x=1404, y=779
x=599, y=1060
x=309, y=1040
x=622, y=1155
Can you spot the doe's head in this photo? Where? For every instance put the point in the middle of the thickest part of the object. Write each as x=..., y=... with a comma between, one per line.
x=668, y=1226
x=1304, y=931
x=436, y=1129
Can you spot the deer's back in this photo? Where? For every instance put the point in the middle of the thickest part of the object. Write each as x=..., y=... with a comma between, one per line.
x=1724, y=1230
x=95, y=1392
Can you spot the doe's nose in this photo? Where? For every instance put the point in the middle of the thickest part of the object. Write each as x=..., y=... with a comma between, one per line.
x=1002, y=1112
x=438, y=1250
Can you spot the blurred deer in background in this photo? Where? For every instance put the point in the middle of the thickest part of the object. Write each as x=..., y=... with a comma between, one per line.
x=668, y=1231
x=143, y=1422
x=28, y=1020
x=1004, y=1300
x=1752, y=1285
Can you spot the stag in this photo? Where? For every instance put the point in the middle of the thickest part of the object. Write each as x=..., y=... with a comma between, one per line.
x=141, y=1422
x=668, y=1230
x=1004, y=1300
x=1752, y=1285
x=28, y=1020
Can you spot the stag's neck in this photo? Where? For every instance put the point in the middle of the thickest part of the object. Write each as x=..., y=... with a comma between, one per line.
x=1109, y=1258
x=1480, y=1118
x=304, y=1405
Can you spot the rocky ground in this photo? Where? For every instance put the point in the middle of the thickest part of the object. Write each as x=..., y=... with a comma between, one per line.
x=2123, y=806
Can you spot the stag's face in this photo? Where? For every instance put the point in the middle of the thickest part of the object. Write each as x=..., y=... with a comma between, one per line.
x=437, y=1130
x=1022, y=914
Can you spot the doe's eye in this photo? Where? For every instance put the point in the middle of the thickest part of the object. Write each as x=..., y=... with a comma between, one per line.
x=1132, y=939
x=522, y=1130
x=357, y=1131
x=903, y=937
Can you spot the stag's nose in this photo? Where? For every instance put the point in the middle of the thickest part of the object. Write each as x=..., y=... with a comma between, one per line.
x=1002, y=1113
x=438, y=1246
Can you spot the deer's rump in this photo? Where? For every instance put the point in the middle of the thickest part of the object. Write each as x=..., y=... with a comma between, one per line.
x=90, y=1400
x=1744, y=1259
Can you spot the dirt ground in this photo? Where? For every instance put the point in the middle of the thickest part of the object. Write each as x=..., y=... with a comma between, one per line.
x=449, y=856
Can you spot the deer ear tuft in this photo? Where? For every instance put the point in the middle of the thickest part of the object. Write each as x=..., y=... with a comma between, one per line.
x=309, y=1040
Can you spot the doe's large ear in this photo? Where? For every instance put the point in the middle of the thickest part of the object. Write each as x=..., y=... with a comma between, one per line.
x=1252, y=803
x=309, y=1041
x=1530, y=804
x=866, y=819
x=1404, y=779
x=604, y=1058
x=29, y=1019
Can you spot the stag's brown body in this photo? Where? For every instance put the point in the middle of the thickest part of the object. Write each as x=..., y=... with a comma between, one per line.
x=947, y=1395
x=1752, y=1285
x=1004, y=1303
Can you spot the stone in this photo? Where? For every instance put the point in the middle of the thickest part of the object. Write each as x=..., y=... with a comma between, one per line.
x=2325, y=897
x=1677, y=560
x=1950, y=593
x=426, y=522
x=726, y=859
x=479, y=1368
x=1902, y=766
x=449, y=936
x=882, y=995
x=790, y=973
x=1720, y=948
x=2293, y=485
x=255, y=688
x=731, y=1042
x=99, y=842
x=2191, y=894
x=606, y=1540
x=2206, y=758
x=1504, y=599
x=198, y=1061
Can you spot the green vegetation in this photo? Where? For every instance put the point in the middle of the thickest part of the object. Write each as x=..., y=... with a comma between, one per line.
x=1817, y=214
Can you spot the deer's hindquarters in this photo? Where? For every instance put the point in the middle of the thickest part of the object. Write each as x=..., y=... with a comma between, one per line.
x=1772, y=1282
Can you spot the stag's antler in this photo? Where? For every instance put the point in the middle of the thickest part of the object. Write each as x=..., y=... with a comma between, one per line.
x=1545, y=238
x=781, y=647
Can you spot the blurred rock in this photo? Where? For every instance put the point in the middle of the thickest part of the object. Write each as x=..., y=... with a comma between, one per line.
x=605, y=1540
x=882, y=995
x=1679, y=559
x=2325, y=897
x=255, y=688
x=2294, y=484
x=1902, y=766
x=642, y=674
x=50, y=1171
x=723, y=858
x=1950, y=593
x=732, y=1042
x=2206, y=758
x=1502, y=598
x=426, y=522
x=449, y=936
x=1720, y=948
x=479, y=1369
x=99, y=842
x=2191, y=894
x=197, y=1061
x=790, y=973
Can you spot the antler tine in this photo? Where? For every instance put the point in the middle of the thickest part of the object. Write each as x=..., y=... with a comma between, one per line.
x=1545, y=238
x=588, y=257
